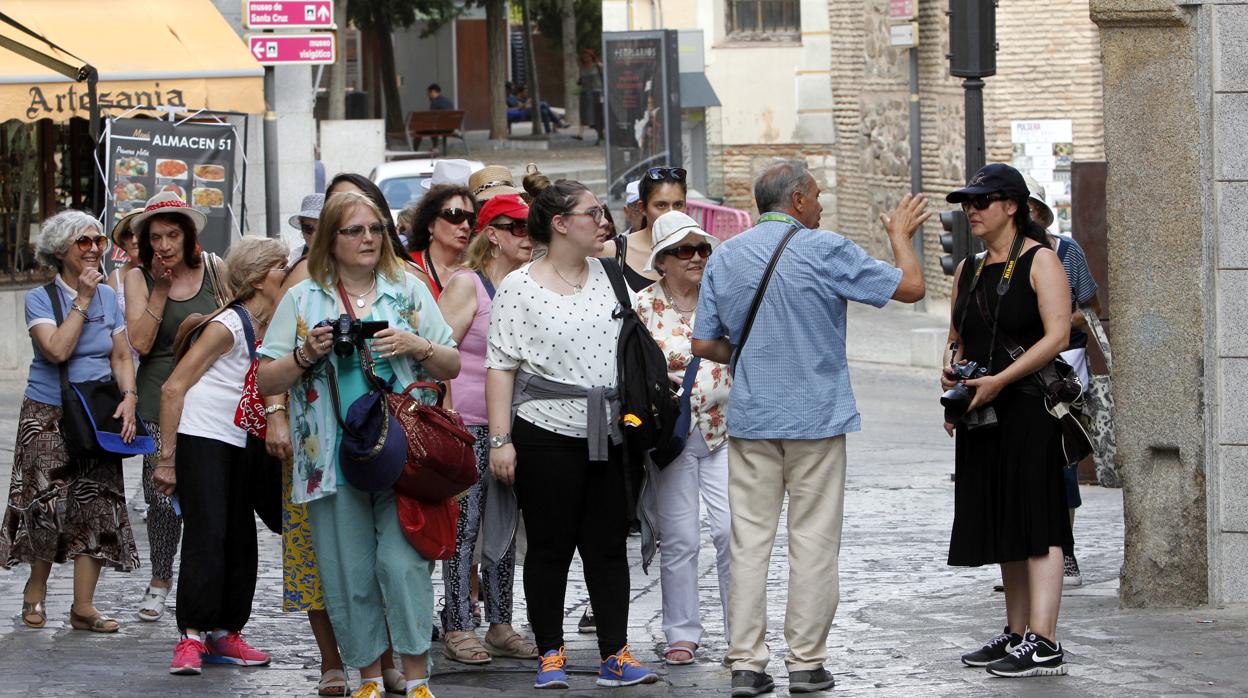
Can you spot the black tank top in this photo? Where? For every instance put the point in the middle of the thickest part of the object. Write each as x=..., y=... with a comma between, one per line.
x=1019, y=317
x=635, y=280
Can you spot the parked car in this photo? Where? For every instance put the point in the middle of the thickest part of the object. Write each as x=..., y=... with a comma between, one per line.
x=400, y=181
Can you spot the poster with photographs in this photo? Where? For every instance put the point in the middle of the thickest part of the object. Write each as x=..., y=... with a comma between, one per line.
x=1043, y=148
x=642, y=105
x=194, y=161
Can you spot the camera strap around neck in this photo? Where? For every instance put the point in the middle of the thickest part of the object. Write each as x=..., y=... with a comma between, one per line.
x=1003, y=286
x=367, y=364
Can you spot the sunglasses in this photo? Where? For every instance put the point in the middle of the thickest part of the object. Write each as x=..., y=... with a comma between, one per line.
x=455, y=216
x=658, y=174
x=127, y=236
x=355, y=231
x=981, y=201
x=598, y=212
x=85, y=242
x=516, y=228
x=686, y=252
x=308, y=228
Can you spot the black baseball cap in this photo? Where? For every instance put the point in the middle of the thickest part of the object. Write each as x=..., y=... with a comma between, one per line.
x=996, y=178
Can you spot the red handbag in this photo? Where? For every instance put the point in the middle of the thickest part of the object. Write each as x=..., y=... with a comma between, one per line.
x=440, y=458
x=429, y=526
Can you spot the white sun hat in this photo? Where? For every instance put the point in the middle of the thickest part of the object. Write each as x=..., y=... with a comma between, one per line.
x=669, y=229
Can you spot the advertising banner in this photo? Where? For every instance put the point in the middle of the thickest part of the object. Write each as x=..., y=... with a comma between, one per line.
x=193, y=160
x=1043, y=148
x=642, y=105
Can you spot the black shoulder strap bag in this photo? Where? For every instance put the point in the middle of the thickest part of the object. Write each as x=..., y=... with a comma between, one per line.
x=87, y=423
x=758, y=299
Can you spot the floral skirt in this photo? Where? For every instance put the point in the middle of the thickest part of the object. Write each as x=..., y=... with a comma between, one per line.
x=60, y=508
x=301, y=579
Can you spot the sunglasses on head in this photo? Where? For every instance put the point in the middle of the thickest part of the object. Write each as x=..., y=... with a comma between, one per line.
x=517, y=228
x=658, y=174
x=85, y=242
x=355, y=231
x=686, y=252
x=979, y=202
x=455, y=216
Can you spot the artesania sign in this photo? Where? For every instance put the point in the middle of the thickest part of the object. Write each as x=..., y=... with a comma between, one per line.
x=288, y=14
x=293, y=49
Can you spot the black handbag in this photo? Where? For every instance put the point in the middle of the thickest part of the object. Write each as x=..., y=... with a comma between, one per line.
x=87, y=423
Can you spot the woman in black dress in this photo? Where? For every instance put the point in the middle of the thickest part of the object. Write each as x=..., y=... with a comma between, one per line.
x=1010, y=499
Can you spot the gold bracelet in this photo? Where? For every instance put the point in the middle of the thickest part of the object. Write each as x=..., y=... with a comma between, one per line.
x=155, y=317
x=428, y=353
x=275, y=407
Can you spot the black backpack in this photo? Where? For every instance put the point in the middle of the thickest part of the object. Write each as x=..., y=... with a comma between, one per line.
x=649, y=406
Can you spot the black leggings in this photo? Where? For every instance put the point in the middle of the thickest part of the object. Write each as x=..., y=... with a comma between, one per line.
x=217, y=580
x=572, y=505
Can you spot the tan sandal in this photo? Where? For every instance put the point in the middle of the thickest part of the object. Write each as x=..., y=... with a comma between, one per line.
x=34, y=615
x=332, y=683
x=96, y=622
x=463, y=646
x=515, y=646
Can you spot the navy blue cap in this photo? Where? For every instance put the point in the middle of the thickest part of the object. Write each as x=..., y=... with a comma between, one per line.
x=373, y=450
x=995, y=178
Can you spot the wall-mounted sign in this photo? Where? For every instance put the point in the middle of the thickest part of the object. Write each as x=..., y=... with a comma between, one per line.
x=293, y=49
x=1043, y=148
x=904, y=35
x=288, y=14
x=903, y=10
x=193, y=160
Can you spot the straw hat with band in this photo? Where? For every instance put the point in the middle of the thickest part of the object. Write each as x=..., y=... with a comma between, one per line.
x=491, y=181
x=669, y=229
x=510, y=205
x=121, y=226
x=167, y=202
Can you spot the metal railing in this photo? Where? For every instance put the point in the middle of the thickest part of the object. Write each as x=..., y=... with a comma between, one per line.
x=722, y=222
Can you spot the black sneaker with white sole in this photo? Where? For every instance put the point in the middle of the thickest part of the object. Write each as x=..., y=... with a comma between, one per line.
x=751, y=683
x=1036, y=656
x=996, y=648
x=810, y=680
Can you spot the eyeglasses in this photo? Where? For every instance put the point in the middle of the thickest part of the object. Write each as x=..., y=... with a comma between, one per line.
x=686, y=252
x=455, y=216
x=981, y=201
x=516, y=228
x=355, y=231
x=598, y=212
x=85, y=242
x=658, y=174
x=308, y=228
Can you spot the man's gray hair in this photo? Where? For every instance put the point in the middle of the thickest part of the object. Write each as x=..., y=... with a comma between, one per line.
x=773, y=190
x=57, y=232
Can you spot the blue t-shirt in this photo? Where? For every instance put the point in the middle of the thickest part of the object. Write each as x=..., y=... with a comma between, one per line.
x=90, y=360
x=792, y=379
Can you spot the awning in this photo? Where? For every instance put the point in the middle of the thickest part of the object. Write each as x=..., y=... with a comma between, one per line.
x=696, y=92
x=149, y=54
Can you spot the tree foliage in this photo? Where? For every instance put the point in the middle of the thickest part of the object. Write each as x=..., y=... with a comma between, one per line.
x=588, y=23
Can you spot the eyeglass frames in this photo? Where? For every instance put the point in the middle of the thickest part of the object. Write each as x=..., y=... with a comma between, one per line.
x=85, y=242
x=598, y=212
x=307, y=228
x=686, y=252
x=658, y=174
x=355, y=231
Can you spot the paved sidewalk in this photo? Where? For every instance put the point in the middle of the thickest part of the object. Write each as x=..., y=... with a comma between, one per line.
x=904, y=615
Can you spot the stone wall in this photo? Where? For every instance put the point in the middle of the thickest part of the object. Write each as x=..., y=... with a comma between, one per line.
x=1049, y=74
x=741, y=164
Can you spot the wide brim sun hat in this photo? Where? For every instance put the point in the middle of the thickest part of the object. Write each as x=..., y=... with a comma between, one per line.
x=168, y=202
x=669, y=229
x=122, y=226
x=491, y=181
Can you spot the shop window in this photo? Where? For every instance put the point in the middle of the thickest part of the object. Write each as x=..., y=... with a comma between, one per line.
x=764, y=20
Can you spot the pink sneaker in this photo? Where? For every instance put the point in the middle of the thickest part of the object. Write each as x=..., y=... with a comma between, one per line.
x=232, y=649
x=187, y=657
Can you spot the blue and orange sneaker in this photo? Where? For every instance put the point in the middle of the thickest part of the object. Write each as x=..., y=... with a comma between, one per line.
x=621, y=669
x=551, y=673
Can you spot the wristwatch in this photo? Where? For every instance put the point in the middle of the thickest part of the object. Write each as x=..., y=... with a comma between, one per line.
x=500, y=440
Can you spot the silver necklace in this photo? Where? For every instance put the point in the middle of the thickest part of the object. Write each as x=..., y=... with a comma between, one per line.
x=671, y=297
x=359, y=297
x=577, y=287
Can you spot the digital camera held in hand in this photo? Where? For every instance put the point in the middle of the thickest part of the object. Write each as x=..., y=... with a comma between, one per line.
x=957, y=399
x=349, y=333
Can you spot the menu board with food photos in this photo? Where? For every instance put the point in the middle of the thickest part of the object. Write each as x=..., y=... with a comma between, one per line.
x=195, y=161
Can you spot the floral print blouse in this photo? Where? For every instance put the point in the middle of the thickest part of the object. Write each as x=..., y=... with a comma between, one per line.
x=674, y=335
x=314, y=430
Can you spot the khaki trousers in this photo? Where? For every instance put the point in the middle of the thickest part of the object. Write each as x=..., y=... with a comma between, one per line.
x=760, y=473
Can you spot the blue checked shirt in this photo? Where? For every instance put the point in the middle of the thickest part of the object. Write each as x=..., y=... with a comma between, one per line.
x=792, y=381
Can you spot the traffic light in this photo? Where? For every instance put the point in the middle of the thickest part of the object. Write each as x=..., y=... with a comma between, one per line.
x=956, y=240
x=972, y=38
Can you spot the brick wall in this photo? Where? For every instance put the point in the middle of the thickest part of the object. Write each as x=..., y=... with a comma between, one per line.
x=741, y=164
x=1051, y=73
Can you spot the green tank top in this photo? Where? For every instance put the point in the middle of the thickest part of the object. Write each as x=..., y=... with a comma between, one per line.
x=155, y=367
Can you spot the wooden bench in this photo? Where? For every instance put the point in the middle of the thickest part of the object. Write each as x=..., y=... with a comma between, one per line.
x=435, y=125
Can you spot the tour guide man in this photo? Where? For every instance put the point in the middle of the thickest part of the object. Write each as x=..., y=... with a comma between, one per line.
x=791, y=406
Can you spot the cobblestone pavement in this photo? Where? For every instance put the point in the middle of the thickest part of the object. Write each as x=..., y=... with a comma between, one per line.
x=904, y=615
